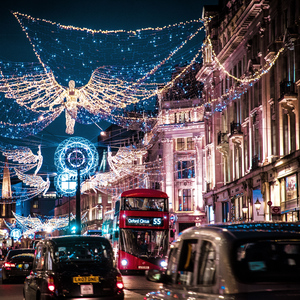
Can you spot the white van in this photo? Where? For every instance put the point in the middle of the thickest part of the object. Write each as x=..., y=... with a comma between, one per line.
x=232, y=261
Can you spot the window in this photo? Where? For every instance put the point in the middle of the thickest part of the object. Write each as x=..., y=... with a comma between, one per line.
x=49, y=261
x=207, y=264
x=225, y=211
x=40, y=259
x=187, y=199
x=186, y=169
x=180, y=144
x=172, y=263
x=275, y=260
x=180, y=200
x=187, y=262
x=35, y=204
x=190, y=143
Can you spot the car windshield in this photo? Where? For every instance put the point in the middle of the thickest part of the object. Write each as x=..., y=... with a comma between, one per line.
x=150, y=243
x=86, y=251
x=268, y=261
x=144, y=204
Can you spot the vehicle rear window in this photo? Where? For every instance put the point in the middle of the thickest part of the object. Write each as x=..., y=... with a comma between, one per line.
x=268, y=261
x=20, y=255
x=84, y=251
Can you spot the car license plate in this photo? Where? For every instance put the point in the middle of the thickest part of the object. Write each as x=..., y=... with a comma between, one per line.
x=86, y=289
x=86, y=279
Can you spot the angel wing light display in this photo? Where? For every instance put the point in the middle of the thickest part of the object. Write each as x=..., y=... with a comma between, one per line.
x=25, y=158
x=128, y=160
x=34, y=181
x=118, y=73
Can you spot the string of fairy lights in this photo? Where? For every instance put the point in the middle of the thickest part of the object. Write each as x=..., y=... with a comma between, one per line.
x=118, y=71
x=107, y=91
x=29, y=225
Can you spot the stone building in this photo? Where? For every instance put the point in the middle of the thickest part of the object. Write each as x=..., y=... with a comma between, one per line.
x=177, y=144
x=251, y=77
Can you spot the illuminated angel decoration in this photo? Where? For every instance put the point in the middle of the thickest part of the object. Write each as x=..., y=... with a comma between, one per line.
x=30, y=224
x=118, y=73
x=25, y=158
x=126, y=160
x=34, y=181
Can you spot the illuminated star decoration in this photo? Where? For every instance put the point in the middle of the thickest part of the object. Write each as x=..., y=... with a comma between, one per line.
x=117, y=72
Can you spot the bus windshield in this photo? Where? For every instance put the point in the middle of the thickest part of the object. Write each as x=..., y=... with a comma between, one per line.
x=150, y=243
x=154, y=204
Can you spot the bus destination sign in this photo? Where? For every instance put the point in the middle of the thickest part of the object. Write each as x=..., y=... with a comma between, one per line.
x=145, y=221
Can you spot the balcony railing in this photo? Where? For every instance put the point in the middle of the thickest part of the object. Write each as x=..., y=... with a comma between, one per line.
x=287, y=88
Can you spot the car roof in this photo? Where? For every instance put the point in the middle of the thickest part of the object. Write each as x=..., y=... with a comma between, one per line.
x=246, y=230
x=22, y=250
x=75, y=238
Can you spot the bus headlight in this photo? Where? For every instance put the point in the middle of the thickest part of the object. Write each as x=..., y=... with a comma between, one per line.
x=124, y=262
x=163, y=264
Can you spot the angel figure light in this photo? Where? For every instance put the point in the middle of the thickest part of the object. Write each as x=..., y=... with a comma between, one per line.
x=69, y=98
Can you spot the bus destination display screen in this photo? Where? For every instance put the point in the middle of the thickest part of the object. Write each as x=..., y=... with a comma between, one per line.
x=144, y=221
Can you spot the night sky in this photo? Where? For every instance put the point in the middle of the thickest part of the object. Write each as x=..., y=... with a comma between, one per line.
x=94, y=14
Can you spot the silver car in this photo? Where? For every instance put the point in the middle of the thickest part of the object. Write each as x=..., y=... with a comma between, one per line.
x=234, y=261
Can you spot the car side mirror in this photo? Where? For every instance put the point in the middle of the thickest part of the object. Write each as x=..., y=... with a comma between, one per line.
x=154, y=275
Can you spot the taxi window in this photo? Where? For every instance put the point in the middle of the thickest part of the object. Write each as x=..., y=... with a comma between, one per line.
x=172, y=263
x=207, y=264
x=268, y=261
x=187, y=262
x=39, y=258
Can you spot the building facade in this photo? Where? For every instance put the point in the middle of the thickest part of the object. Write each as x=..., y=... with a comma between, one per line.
x=177, y=144
x=251, y=77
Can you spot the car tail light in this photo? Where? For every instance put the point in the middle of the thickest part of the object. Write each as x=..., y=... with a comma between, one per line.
x=120, y=283
x=8, y=265
x=51, y=285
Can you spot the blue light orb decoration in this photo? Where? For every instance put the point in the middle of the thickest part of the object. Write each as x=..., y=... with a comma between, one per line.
x=73, y=154
x=66, y=183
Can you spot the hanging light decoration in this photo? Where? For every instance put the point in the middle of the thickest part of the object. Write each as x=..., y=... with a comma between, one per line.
x=35, y=181
x=30, y=225
x=118, y=72
x=25, y=158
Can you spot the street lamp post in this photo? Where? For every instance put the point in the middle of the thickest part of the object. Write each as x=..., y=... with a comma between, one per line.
x=78, y=212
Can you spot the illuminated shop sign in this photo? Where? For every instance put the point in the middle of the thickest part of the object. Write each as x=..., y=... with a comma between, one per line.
x=137, y=221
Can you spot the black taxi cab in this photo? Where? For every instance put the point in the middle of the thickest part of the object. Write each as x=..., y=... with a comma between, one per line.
x=253, y=261
x=74, y=267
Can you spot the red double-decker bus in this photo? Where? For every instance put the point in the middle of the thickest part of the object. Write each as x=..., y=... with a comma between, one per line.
x=141, y=230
